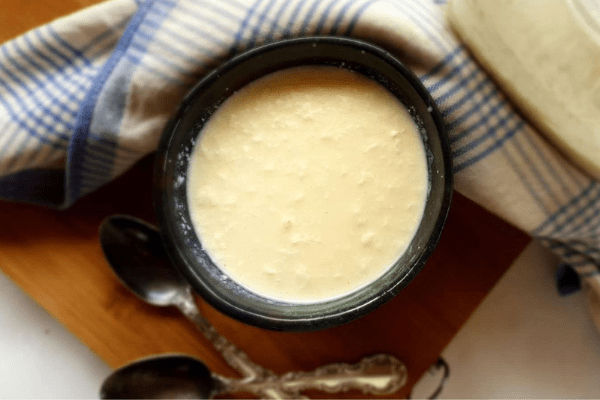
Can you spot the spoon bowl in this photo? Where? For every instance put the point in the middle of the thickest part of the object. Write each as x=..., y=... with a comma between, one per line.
x=163, y=377
x=146, y=271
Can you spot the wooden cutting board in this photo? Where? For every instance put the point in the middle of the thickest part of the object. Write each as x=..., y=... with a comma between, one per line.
x=55, y=257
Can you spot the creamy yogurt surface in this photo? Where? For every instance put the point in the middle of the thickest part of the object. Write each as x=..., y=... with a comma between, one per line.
x=308, y=183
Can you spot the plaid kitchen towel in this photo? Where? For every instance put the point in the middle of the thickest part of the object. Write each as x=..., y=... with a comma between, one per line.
x=85, y=97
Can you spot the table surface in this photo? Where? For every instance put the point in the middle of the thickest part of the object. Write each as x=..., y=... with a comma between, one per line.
x=55, y=257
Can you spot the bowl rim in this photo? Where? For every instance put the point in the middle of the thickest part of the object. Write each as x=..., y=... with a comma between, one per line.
x=309, y=322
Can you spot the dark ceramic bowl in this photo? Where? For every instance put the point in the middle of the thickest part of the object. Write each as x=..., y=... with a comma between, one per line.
x=183, y=245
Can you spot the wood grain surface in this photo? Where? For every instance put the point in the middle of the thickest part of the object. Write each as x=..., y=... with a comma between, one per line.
x=55, y=257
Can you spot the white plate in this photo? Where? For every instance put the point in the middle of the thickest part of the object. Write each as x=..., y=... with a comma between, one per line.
x=546, y=57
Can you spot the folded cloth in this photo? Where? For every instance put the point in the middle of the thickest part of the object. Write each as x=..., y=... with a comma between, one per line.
x=87, y=96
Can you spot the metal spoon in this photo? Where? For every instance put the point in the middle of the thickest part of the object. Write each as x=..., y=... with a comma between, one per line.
x=135, y=252
x=178, y=376
x=163, y=377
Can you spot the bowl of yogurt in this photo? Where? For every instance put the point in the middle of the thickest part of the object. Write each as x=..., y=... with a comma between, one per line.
x=303, y=183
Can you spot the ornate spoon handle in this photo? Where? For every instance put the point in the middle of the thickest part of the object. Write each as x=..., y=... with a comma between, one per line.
x=234, y=356
x=378, y=375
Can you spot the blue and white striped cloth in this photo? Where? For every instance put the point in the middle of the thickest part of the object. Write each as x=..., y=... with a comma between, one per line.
x=85, y=97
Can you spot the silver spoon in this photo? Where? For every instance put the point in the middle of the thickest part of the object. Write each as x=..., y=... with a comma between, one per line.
x=178, y=376
x=135, y=252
